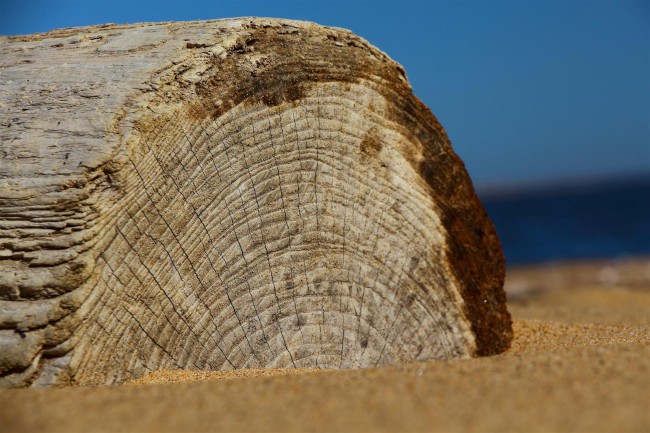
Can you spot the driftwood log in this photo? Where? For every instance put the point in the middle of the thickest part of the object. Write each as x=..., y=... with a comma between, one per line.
x=230, y=194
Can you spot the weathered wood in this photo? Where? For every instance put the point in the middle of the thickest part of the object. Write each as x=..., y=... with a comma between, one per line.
x=230, y=194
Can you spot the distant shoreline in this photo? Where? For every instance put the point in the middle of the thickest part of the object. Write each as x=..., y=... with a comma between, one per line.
x=526, y=281
x=509, y=190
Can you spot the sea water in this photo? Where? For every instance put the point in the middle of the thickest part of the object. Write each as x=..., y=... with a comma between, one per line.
x=603, y=220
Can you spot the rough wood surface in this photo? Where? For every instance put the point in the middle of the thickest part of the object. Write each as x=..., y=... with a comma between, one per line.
x=230, y=194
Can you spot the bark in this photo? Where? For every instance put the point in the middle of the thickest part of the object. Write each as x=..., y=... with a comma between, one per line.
x=230, y=194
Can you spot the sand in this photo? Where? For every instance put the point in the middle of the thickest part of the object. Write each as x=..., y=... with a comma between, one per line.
x=580, y=361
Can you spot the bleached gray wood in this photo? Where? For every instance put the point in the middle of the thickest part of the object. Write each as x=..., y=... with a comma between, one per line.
x=230, y=194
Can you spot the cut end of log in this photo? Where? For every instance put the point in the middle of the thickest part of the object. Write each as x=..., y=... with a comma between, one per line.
x=231, y=194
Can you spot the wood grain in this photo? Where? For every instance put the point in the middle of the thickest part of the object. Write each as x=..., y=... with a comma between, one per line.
x=230, y=194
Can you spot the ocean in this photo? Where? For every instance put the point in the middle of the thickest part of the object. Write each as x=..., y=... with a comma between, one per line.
x=597, y=221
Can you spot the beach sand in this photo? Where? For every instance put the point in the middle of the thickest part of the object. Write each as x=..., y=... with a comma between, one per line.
x=580, y=361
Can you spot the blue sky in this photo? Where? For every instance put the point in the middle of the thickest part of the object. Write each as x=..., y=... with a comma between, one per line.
x=529, y=92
